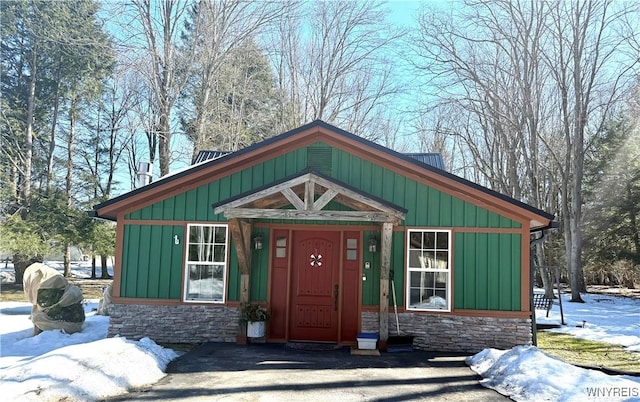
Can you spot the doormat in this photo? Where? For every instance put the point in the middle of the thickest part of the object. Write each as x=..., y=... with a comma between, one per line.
x=364, y=352
x=313, y=346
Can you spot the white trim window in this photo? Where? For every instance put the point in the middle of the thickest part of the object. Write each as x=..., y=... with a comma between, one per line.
x=428, y=270
x=206, y=263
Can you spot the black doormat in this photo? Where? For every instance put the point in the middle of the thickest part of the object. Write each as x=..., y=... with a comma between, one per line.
x=313, y=346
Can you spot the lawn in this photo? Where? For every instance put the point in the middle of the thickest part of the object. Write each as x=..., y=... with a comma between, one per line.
x=588, y=353
x=91, y=289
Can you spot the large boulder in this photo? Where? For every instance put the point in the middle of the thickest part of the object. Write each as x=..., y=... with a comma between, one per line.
x=55, y=303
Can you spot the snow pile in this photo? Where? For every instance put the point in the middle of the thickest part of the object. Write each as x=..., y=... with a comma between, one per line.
x=81, y=366
x=525, y=373
x=88, y=371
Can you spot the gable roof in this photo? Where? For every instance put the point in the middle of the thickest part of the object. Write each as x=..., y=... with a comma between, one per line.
x=430, y=158
x=303, y=136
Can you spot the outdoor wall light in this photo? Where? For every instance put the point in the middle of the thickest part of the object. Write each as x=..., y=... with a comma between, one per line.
x=176, y=240
x=257, y=241
x=373, y=244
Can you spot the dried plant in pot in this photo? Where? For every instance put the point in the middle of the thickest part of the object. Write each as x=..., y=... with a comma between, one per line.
x=255, y=316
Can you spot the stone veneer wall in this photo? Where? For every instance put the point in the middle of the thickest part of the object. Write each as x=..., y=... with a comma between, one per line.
x=175, y=324
x=432, y=332
x=454, y=333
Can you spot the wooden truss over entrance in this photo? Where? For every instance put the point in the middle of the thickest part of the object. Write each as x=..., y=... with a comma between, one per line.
x=309, y=194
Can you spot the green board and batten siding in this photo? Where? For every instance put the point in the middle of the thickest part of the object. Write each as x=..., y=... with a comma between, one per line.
x=427, y=208
x=158, y=261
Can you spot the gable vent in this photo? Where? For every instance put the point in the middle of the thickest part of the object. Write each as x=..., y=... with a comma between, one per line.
x=320, y=159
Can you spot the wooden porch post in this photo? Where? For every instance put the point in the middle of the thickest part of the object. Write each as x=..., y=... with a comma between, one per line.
x=385, y=250
x=241, y=233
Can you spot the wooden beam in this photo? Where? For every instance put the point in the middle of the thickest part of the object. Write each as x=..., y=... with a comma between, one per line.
x=309, y=195
x=385, y=263
x=366, y=216
x=241, y=234
x=324, y=199
x=293, y=199
x=262, y=194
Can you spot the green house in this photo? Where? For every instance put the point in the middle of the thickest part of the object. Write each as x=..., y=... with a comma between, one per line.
x=334, y=235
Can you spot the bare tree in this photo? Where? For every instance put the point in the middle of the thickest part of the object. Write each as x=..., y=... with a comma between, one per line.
x=489, y=71
x=167, y=68
x=588, y=63
x=222, y=33
x=335, y=69
x=526, y=82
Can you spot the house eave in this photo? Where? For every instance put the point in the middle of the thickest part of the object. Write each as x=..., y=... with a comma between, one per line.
x=314, y=132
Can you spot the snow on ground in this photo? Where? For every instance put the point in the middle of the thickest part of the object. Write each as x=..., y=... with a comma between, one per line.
x=525, y=373
x=84, y=366
x=606, y=318
x=79, y=269
x=89, y=366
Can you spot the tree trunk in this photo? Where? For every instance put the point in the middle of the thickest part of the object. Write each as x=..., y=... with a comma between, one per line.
x=164, y=142
x=577, y=276
x=545, y=272
x=633, y=219
x=52, y=139
x=105, y=273
x=67, y=261
x=70, y=148
x=93, y=266
x=28, y=146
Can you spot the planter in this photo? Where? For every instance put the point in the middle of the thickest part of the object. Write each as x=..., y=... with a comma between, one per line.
x=256, y=329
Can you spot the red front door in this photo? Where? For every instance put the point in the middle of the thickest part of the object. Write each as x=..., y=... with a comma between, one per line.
x=315, y=289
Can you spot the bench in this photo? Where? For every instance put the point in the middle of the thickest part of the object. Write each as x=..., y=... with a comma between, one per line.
x=542, y=302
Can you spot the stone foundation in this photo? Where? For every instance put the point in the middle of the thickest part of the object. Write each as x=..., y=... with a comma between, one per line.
x=175, y=324
x=432, y=332
x=454, y=333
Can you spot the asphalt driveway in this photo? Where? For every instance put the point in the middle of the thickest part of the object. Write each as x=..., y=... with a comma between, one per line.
x=271, y=372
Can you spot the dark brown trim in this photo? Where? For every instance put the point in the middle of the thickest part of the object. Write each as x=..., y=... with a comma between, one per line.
x=452, y=268
x=185, y=257
x=165, y=222
x=486, y=230
x=117, y=265
x=490, y=313
x=340, y=284
x=287, y=330
x=525, y=267
x=169, y=302
x=298, y=226
x=459, y=312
